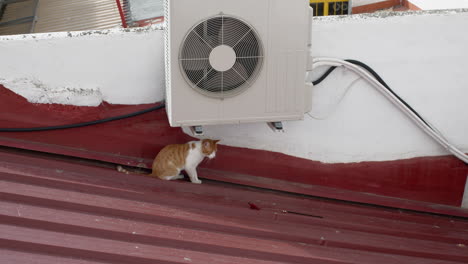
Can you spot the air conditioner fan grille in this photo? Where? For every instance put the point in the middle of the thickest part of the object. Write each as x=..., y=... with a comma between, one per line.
x=198, y=68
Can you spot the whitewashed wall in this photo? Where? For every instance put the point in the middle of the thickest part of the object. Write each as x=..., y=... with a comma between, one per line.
x=422, y=57
x=84, y=68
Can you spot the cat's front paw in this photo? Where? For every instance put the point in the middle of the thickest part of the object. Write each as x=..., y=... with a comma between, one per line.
x=197, y=181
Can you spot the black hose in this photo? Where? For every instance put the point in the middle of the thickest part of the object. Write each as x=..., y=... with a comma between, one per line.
x=324, y=76
x=319, y=80
x=109, y=119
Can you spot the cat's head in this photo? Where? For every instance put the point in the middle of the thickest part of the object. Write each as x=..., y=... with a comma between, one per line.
x=209, y=147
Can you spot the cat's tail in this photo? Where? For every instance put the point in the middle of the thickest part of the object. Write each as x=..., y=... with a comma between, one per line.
x=136, y=171
x=122, y=169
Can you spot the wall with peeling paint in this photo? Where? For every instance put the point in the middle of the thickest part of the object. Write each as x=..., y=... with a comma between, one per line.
x=85, y=68
x=422, y=56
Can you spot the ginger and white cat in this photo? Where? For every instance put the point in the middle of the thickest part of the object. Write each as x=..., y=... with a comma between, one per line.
x=172, y=159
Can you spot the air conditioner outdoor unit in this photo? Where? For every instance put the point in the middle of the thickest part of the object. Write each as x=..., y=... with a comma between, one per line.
x=236, y=61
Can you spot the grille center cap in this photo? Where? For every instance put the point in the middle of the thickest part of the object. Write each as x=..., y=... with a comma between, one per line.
x=222, y=58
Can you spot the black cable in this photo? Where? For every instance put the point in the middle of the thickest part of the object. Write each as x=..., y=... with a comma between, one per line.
x=381, y=81
x=378, y=78
x=319, y=80
x=324, y=76
x=109, y=119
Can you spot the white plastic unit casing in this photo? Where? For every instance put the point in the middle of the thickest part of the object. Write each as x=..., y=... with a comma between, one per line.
x=276, y=93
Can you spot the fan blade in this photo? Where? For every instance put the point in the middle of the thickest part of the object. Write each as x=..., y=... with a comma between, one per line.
x=234, y=77
x=241, y=70
x=195, y=64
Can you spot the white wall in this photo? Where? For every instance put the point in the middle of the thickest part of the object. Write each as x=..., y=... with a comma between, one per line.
x=84, y=68
x=421, y=56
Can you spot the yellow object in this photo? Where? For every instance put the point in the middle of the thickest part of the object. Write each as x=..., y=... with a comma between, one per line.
x=326, y=5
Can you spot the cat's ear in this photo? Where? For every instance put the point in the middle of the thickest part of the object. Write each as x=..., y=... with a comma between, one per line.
x=216, y=141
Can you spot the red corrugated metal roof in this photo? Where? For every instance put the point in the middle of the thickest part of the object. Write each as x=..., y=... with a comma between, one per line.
x=55, y=210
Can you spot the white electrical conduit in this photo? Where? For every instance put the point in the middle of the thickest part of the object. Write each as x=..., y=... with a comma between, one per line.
x=429, y=129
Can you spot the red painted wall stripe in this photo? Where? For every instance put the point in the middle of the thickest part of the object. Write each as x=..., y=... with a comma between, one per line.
x=136, y=141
